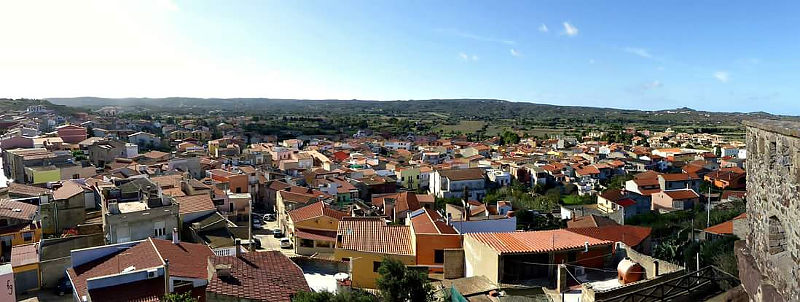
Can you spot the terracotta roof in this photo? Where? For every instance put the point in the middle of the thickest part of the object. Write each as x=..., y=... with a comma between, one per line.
x=625, y=202
x=677, y=177
x=682, y=194
x=24, y=254
x=194, y=204
x=725, y=228
x=259, y=276
x=141, y=256
x=155, y=154
x=26, y=190
x=535, y=241
x=590, y=221
x=315, y=210
x=462, y=174
x=168, y=181
x=17, y=210
x=612, y=195
x=186, y=259
x=425, y=221
x=149, y=290
x=315, y=234
x=368, y=234
x=629, y=234
x=174, y=192
x=67, y=190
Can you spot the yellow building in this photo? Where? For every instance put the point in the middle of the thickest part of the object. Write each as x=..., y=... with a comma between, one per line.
x=43, y=174
x=408, y=177
x=17, y=225
x=313, y=228
x=366, y=241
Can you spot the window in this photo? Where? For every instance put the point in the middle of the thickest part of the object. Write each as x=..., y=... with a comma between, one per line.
x=231, y=207
x=306, y=243
x=438, y=256
x=376, y=265
x=324, y=244
x=27, y=236
x=238, y=190
x=159, y=229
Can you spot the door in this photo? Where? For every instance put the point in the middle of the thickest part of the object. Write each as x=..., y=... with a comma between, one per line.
x=27, y=280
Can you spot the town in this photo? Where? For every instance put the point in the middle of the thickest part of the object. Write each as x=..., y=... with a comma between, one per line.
x=105, y=205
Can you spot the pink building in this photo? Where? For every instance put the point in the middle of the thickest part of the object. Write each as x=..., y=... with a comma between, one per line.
x=71, y=134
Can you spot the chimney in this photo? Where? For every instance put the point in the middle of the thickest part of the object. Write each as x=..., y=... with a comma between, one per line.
x=166, y=276
x=238, y=251
x=175, y=239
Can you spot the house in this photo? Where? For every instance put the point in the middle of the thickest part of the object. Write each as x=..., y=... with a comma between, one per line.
x=67, y=209
x=144, y=139
x=291, y=198
x=25, y=265
x=674, y=200
x=136, y=209
x=499, y=178
x=451, y=183
x=365, y=241
x=734, y=227
x=676, y=181
x=142, y=270
x=590, y=221
x=18, y=163
x=614, y=200
x=71, y=134
x=727, y=178
x=254, y=276
x=396, y=206
x=480, y=220
x=514, y=257
x=432, y=237
x=104, y=152
x=18, y=225
x=313, y=228
x=191, y=208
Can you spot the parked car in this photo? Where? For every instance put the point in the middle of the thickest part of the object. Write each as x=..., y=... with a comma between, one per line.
x=269, y=217
x=277, y=233
x=286, y=243
x=63, y=287
x=256, y=223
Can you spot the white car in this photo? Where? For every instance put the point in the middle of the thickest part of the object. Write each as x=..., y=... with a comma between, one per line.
x=286, y=243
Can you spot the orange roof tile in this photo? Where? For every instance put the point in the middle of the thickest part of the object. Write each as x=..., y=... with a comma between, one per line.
x=724, y=228
x=315, y=210
x=194, y=203
x=374, y=236
x=629, y=234
x=535, y=241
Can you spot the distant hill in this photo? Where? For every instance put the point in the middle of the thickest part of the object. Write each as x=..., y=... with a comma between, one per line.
x=483, y=109
x=22, y=104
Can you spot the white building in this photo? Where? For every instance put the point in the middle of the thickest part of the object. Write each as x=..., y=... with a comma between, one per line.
x=451, y=183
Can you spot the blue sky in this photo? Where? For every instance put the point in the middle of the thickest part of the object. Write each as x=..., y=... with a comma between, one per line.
x=709, y=55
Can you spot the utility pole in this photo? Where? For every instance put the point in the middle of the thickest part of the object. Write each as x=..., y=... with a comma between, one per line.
x=708, y=209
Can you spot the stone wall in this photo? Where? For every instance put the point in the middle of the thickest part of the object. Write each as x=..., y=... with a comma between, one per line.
x=773, y=203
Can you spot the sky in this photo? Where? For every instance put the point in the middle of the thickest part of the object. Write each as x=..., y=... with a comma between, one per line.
x=707, y=55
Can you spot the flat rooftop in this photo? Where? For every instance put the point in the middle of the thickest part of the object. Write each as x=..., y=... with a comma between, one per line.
x=132, y=206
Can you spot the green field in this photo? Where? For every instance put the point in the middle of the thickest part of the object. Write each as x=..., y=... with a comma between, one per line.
x=463, y=126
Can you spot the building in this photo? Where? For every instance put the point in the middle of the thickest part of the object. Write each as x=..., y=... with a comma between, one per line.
x=18, y=162
x=67, y=209
x=136, y=209
x=365, y=241
x=432, y=237
x=71, y=134
x=255, y=276
x=675, y=200
x=19, y=224
x=144, y=139
x=515, y=257
x=313, y=228
x=451, y=183
x=768, y=255
x=104, y=152
x=142, y=270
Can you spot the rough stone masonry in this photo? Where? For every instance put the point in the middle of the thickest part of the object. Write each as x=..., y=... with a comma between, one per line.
x=769, y=262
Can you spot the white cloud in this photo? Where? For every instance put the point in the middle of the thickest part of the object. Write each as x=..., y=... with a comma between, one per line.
x=722, y=76
x=652, y=85
x=570, y=30
x=543, y=28
x=515, y=53
x=644, y=53
x=466, y=57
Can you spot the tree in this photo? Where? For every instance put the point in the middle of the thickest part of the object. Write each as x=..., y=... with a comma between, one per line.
x=346, y=296
x=397, y=283
x=174, y=297
x=618, y=182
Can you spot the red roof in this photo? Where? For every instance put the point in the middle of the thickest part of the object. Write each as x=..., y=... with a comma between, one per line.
x=24, y=254
x=682, y=194
x=315, y=210
x=140, y=256
x=631, y=235
x=186, y=260
x=194, y=204
x=425, y=221
x=259, y=276
x=536, y=241
x=627, y=202
x=590, y=221
x=315, y=235
x=725, y=228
